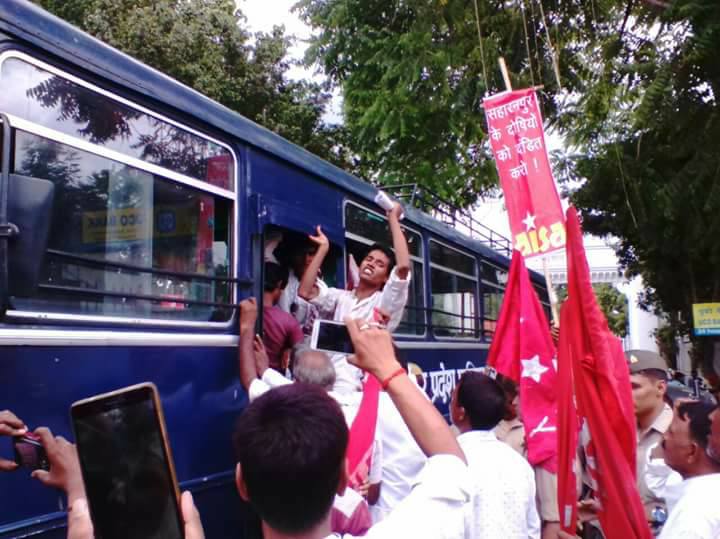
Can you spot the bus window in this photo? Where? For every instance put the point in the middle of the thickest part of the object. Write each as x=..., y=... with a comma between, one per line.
x=129, y=240
x=42, y=96
x=453, y=286
x=362, y=229
x=494, y=279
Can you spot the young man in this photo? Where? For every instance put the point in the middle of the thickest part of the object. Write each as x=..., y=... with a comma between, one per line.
x=291, y=444
x=384, y=281
x=503, y=499
x=648, y=379
x=280, y=330
x=350, y=512
x=305, y=313
x=696, y=513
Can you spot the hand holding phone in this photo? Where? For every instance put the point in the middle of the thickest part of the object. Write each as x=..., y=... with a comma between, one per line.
x=331, y=336
x=30, y=453
x=127, y=465
x=10, y=425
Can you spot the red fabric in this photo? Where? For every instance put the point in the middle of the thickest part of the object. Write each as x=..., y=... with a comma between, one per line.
x=522, y=349
x=350, y=514
x=592, y=358
x=517, y=139
x=362, y=434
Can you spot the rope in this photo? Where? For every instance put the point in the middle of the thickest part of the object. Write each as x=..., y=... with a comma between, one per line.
x=535, y=40
x=482, y=52
x=527, y=41
x=556, y=68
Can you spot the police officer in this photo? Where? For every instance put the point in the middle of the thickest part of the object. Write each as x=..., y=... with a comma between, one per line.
x=648, y=379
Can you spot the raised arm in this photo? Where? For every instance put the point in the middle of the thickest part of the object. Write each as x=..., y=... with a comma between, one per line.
x=402, y=255
x=246, y=354
x=374, y=353
x=307, y=289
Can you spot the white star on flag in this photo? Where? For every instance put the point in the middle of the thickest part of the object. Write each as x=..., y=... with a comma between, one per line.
x=529, y=221
x=532, y=368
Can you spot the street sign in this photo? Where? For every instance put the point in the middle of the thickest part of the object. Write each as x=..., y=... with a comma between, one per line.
x=706, y=319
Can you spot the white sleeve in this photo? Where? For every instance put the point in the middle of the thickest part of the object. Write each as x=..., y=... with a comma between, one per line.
x=375, y=475
x=435, y=508
x=273, y=378
x=327, y=298
x=257, y=388
x=533, y=518
x=394, y=297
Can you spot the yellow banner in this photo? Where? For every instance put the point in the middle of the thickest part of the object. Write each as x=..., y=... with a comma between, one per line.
x=706, y=318
x=130, y=224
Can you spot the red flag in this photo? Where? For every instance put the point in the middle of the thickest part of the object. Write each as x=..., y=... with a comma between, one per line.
x=591, y=360
x=522, y=349
x=362, y=434
x=518, y=142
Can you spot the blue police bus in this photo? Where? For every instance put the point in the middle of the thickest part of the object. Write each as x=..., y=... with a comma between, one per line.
x=133, y=217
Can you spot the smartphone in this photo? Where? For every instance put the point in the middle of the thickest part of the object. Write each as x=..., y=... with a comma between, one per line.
x=30, y=453
x=127, y=465
x=331, y=336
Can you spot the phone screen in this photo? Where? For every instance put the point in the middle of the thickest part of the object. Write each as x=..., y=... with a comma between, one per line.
x=333, y=336
x=126, y=469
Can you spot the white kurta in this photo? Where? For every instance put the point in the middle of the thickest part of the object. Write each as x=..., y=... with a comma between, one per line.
x=433, y=510
x=343, y=303
x=503, y=496
x=696, y=514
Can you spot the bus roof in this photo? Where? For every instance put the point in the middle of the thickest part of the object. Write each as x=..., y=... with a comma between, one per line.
x=47, y=32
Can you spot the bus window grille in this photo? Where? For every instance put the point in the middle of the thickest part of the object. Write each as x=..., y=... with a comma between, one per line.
x=461, y=219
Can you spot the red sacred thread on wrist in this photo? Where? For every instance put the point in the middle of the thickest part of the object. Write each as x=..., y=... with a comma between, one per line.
x=385, y=383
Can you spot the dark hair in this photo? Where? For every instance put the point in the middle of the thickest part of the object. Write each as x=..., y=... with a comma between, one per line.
x=483, y=400
x=510, y=388
x=384, y=249
x=275, y=276
x=698, y=413
x=291, y=444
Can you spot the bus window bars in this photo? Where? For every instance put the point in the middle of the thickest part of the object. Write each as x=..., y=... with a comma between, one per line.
x=428, y=201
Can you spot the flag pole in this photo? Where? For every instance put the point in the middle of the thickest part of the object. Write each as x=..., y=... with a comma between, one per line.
x=548, y=280
x=552, y=295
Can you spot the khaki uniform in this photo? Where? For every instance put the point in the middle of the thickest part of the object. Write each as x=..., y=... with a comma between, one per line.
x=647, y=439
x=512, y=433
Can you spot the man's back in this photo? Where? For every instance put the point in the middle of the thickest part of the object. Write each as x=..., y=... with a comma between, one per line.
x=402, y=458
x=503, y=502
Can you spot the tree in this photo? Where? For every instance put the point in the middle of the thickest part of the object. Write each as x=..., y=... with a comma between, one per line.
x=204, y=44
x=637, y=108
x=612, y=302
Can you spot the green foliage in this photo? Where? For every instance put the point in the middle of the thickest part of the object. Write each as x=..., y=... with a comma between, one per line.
x=637, y=109
x=612, y=302
x=204, y=44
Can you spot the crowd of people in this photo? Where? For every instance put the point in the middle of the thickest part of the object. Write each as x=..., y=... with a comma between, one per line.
x=420, y=477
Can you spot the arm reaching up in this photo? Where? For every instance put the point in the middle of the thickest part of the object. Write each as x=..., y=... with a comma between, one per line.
x=374, y=353
x=246, y=354
x=402, y=255
x=307, y=289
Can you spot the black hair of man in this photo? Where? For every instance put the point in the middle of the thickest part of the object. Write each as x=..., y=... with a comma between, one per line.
x=384, y=249
x=291, y=445
x=482, y=398
x=698, y=413
x=510, y=388
x=275, y=276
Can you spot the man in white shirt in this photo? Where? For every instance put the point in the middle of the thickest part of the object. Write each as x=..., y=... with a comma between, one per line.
x=308, y=367
x=696, y=514
x=503, y=499
x=384, y=280
x=402, y=459
x=291, y=444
